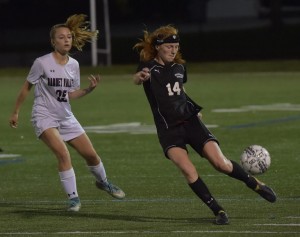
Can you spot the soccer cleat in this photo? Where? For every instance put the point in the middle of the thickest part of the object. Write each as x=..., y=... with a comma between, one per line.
x=74, y=204
x=111, y=189
x=221, y=218
x=265, y=191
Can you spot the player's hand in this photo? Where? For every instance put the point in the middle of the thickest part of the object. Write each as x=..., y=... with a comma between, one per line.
x=94, y=80
x=145, y=74
x=199, y=115
x=13, y=121
x=142, y=76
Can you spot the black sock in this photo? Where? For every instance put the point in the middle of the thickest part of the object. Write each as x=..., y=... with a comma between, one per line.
x=240, y=174
x=201, y=190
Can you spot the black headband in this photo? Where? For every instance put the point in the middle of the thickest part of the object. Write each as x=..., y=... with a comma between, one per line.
x=170, y=39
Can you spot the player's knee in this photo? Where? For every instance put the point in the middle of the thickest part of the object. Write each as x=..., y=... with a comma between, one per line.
x=91, y=158
x=63, y=155
x=223, y=166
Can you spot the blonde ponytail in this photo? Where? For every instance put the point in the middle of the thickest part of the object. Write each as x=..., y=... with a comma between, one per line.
x=80, y=30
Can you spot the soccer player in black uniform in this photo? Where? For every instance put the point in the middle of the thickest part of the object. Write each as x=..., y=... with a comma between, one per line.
x=178, y=119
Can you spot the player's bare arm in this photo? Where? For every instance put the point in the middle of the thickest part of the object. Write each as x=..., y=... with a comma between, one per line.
x=94, y=81
x=141, y=76
x=13, y=121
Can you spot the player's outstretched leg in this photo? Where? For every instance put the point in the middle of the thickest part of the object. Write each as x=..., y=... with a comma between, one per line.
x=253, y=183
x=111, y=189
x=264, y=191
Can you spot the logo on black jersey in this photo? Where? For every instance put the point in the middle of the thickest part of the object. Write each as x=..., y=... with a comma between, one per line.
x=156, y=70
x=179, y=75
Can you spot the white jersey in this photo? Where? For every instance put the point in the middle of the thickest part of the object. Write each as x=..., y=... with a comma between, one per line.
x=52, y=83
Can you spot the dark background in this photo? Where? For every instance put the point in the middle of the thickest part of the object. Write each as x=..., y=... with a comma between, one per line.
x=210, y=30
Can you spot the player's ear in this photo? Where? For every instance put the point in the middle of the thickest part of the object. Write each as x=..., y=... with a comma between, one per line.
x=156, y=47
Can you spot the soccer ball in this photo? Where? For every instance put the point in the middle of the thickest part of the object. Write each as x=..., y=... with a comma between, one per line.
x=255, y=159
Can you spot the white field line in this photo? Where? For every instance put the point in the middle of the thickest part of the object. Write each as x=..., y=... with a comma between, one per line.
x=146, y=200
x=268, y=107
x=131, y=128
x=290, y=224
x=150, y=232
x=3, y=156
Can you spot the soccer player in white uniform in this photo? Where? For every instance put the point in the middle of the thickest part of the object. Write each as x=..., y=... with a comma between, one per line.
x=56, y=78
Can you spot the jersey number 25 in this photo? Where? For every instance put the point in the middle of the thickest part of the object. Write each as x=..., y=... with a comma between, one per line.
x=61, y=95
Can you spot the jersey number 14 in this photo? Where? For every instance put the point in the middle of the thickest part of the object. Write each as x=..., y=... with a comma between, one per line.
x=175, y=89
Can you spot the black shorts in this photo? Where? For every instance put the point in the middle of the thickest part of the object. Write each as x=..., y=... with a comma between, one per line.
x=192, y=132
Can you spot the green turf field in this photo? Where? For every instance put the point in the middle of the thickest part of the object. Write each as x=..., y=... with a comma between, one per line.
x=244, y=103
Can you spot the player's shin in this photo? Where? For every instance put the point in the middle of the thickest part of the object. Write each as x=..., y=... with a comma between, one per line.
x=201, y=190
x=240, y=174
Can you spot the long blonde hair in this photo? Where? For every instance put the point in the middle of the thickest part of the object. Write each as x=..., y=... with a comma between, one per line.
x=79, y=28
x=146, y=46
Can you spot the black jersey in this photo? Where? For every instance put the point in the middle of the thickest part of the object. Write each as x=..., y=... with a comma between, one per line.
x=169, y=103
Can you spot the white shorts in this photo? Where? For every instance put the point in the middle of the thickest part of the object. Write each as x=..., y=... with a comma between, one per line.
x=68, y=128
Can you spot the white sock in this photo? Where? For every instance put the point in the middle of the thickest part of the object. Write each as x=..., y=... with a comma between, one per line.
x=68, y=181
x=99, y=172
